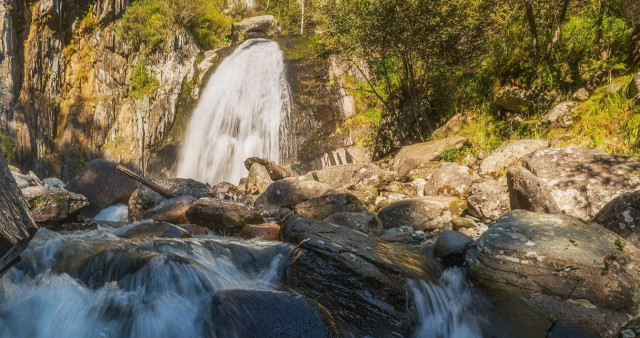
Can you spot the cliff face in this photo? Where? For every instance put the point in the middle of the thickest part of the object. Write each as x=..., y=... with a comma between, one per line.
x=65, y=77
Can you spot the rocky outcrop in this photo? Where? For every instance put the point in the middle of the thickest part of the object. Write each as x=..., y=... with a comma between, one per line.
x=326, y=205
x=413, y=156
x=53, y=206
x=367, y=223
x=103, y=185
x=526, y=192
x=622, y=216
x=289, y=192
x=583, y=180
x=244, y=313
x=223, y=217
x=562, y=259
x=508, y=155
x=256, y=27
x=144, y=198
x=427, y=213
x=561, y=115
x=276, y=172
x=489, y=198
x=450, y=179
x=361, y=281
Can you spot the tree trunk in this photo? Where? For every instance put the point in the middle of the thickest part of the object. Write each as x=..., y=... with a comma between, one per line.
x=16, y=225
x=557, y=33
x=533, y=28
x=302, y=17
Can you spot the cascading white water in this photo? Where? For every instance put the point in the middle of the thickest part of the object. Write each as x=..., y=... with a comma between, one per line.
x=242, y=112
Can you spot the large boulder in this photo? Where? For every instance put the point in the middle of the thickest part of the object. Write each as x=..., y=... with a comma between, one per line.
x=427, y=213
x=144, y=198
x=489, y=198
x=223, y=217
x=352, y=175
x=416, y=155
x=576, y=272
x=526, y=192
x=326, y=205
x=500, y=160
x=258, y=179
x=173, y=210
x=152, y=229
x=267, y=231
x=561, y=115
x=451, y=247
x=276, y=172
x=289, y=192
x=450, y=179
x=262, y=26
x=367, y=223
x=53, y=206
x=622, y=216
x=515, y=100
x=360, y=280
x=264, y=313
x=583, y=180
x=103, y=185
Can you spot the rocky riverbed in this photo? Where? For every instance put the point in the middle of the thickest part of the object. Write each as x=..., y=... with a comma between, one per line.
x=546, y=236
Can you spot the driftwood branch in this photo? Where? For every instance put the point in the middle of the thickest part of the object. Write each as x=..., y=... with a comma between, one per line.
x=160, y=190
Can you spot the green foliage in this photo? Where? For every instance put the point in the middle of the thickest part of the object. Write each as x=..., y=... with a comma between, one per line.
x=8, y=146
x=146, y=25
x=142, y=83
x=619, y=244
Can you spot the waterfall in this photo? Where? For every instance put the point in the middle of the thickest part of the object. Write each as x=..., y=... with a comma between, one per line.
x=243, y=112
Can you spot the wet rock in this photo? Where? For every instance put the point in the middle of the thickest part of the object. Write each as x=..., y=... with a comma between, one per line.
x=258, y=180
x=622, y=216
x=451, y=247
x=508, y=155
x=152, y=229
x=526, y=192
x=416, y=155
x=103, y=185
x=223, y=217
x=144, y=198
x=367, y=223
x=326, y=205
x=580, y=95
x=561, y=115
x=173, y=210
x=289, y=192
x=268, y=231
x=572, y=261
x=489, y=198
x=54, y=183
x=450, y=180
x=245, y=313
x=275, y=172
x=427, y=213
x=194, y=230
x=52, y=206
x=583, y=180
x=360, y=280
x=256, y=27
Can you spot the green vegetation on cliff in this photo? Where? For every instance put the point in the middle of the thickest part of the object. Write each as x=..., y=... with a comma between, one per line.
x=142, y=82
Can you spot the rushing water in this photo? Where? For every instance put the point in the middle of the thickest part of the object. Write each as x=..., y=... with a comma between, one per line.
x=242, y=112
x=118, y=212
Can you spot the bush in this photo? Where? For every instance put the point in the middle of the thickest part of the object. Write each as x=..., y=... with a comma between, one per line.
x=8, y=146
x=142, y=83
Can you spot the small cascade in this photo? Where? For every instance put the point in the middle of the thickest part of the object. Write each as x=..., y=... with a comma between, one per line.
x=117, y=213
x=242, y=112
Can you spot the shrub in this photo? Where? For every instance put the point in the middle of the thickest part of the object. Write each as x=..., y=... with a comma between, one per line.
x=142, y=83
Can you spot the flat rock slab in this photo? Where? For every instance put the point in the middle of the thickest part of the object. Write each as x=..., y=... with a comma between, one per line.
x=583, y=180
x=51, y=206
x=359, y=280
x=559, y=256
x=223, y=217
x=364, y=222
x=427, y=213
x=324, y=206
x=500, y=160
x=416, y=155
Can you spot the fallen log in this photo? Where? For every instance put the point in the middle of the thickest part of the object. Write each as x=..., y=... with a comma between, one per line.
x=17, y=227
x=160, y=190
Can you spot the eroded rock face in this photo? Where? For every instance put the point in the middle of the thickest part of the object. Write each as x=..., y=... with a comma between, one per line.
x=508, y=155
x=360, y=280
x=450, y=180
x=326, y=205
x=416, y=155
x=427, y=213
x=489, y=198
x=223, y=217
x=622, y=216
x=364, y=222
x=289, y=192
x=246, y=313
x=526, y=192
x=562, y=256
x=583, y=180
x=144, y=198
x=53, y=206
x=256, y=27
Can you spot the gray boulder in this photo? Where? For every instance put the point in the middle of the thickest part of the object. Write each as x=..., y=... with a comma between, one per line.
x=426, y=213
x=451, y=247
x=561, y=115
x=508, y=155
x=367, y=223
x=580, y=95
x=223, y=217
x=152, y=229
x=583, y=180
x=289, y=192
x=554, y=260
x=622, y=216
x=515, y=100
x=451, y=179
x=144, y=198
x=258, y=179
x=173, y=210
x=416, y=155
x=489, y=198
x=348, y=175
x=275, y=172
x=53, y=206
x=54, y=183
x=326, y=205
x=526, y=192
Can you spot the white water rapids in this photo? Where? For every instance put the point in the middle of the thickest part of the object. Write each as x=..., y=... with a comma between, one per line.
x=243, y=112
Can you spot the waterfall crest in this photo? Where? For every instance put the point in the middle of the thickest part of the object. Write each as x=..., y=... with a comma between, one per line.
x=243, y=112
